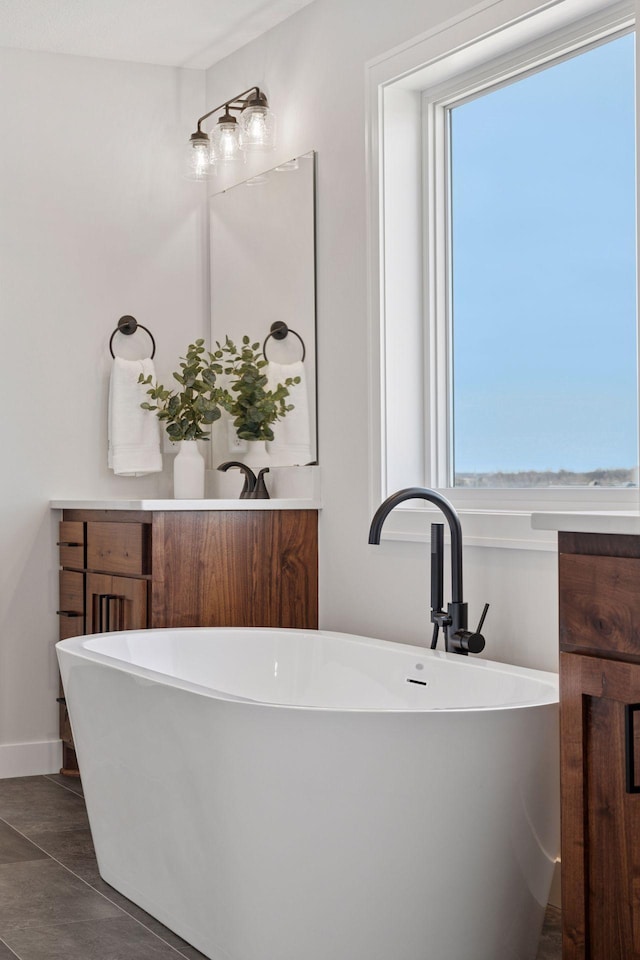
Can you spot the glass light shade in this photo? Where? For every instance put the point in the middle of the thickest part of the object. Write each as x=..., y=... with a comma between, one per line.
x=225, y=140
x=288, y=165
x=198, y=159
x=257, y=128
x=256, y=181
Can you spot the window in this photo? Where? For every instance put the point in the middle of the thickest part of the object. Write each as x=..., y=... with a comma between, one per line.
x=543, y=277
x=503, y=262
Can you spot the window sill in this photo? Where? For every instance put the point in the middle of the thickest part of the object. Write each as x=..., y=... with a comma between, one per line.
x=510, y=529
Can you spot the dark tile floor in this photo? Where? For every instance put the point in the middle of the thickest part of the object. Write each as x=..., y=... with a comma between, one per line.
x=55, y=906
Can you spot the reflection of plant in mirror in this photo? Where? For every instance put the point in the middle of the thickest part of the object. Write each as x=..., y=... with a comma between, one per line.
x=185, y=413
x=253, y=406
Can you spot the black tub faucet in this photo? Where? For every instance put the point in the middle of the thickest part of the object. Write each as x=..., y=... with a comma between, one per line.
x=457, y=638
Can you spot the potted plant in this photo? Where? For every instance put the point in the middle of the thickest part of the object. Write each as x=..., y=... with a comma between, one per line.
x=187, y=413
x=252, y=403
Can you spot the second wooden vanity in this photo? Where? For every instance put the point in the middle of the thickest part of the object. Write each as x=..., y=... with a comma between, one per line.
x=599, y=577
x=136, y=569
x=599, y=593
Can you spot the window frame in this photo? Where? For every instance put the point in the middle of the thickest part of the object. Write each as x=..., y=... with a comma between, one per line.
x=410, y=91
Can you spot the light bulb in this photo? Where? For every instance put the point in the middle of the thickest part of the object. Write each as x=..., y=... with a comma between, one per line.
x=257, y=128
x=225, y=141
x=198, y=159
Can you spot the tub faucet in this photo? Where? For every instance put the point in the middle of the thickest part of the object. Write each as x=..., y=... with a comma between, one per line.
x=453, y=621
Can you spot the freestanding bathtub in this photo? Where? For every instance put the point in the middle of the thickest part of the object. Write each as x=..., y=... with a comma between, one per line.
x=302, y=795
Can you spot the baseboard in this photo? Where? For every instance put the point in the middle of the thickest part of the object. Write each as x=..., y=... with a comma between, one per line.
x=30, y=759
x=554, y=896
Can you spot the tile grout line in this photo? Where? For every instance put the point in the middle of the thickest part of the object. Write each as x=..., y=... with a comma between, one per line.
x=99, y=892
x=10, y=949
x=63, y=786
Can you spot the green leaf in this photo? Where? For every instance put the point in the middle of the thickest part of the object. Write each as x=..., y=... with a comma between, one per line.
x=199, y=402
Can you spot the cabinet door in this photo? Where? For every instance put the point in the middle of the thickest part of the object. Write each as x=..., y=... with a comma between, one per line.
x=115, y=603
x=236, y=568
x=600, y=776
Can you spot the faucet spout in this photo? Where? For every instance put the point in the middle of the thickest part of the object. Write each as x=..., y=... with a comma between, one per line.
x=250, y=479
x=422, y=493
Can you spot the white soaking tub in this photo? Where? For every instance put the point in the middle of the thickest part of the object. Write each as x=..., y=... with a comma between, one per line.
x=303, y=795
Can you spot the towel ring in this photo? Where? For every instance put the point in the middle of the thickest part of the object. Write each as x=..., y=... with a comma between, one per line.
x=128, y=325
x=279, y=331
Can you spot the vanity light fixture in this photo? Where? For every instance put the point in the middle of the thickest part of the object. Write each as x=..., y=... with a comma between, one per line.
x=252, y=132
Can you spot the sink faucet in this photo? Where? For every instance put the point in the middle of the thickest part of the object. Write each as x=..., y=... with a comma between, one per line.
x=254, y=488
x=249, y=484
x=457, y=638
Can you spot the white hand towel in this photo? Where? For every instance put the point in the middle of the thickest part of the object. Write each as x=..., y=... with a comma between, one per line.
x=292, y=443
x=134, y=434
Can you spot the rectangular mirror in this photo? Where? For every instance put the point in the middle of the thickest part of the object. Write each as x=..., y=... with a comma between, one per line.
x=262, y=258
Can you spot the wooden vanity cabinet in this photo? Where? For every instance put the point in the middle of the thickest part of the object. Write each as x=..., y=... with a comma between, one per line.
x=130, y=570
x=599, y=579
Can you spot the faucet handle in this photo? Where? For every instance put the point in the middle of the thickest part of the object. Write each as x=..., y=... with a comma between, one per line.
x=483, y=617
x=464, y=641
x=474, y=642
x=259, y=491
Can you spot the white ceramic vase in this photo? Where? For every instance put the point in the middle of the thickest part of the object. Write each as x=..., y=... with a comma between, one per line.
x=188, y=472
x=256, y=455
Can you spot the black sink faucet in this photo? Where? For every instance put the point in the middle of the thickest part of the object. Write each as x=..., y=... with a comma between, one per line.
x=249, y=484
x=254, y=488
x=457, y=638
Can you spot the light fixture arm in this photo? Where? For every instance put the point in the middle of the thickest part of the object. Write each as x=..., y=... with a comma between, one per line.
x=236, y=103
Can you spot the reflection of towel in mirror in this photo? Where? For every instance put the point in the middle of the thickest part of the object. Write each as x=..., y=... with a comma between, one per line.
x=134, y=434
x=292, y=444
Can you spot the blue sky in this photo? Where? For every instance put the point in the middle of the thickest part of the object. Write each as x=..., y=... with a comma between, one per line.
x=544, y=288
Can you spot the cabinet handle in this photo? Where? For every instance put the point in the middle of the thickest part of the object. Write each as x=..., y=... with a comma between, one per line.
x=68, y=543
x=104, y=612
x=68, y=613
x=119, y=619
x=61, y=700
x=101, y=614
x=115, y=622
x=630, y=710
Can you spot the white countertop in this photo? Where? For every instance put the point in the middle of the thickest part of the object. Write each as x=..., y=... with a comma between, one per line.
x=275, y=504
x=588, y=522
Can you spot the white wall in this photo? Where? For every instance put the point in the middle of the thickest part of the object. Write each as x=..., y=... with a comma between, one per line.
x=95, y=222
x=312, y=68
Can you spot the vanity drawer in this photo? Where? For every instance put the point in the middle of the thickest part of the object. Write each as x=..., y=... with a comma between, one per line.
x=71, y=612
x=71, y=543
x=600, y=605
x=117, y=547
